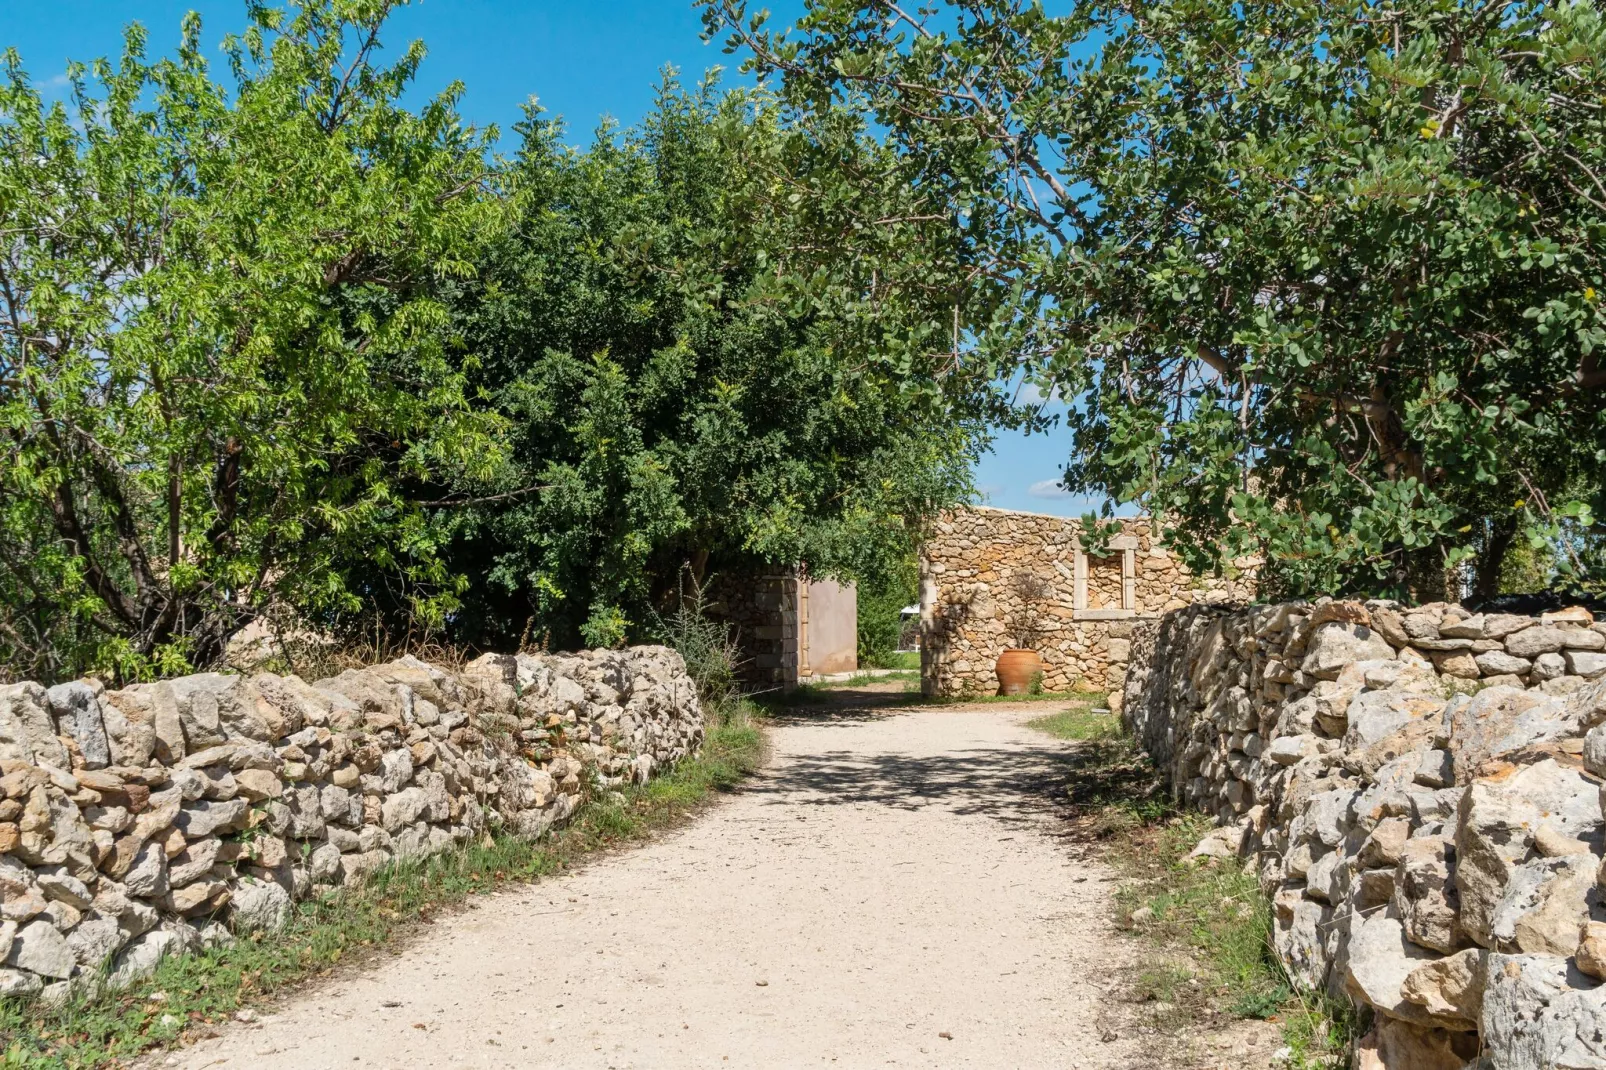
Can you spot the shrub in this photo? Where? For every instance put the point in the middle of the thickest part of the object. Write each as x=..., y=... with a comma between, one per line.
x=708, y=646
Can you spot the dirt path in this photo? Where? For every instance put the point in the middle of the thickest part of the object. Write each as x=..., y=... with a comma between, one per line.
x=894, y=890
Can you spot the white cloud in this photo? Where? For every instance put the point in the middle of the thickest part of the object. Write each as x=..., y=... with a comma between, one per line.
x=1032, y=395
x=1048, y=488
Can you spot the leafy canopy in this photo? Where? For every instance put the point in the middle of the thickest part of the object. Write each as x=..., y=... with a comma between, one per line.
x=690, y=382
x=222, y=362
x=1323, y=279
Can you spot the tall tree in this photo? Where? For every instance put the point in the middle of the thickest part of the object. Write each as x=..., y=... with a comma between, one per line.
x=691, y=381
x=221, y=361
x=1323, y=279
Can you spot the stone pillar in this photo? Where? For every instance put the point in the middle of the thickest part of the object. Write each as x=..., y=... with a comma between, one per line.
x=931, y=649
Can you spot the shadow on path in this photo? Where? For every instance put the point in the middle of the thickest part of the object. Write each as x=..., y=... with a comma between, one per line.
x=1015, y=785
x=1017, y=782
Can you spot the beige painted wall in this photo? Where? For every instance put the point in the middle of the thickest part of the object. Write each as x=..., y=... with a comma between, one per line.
x=789, y=628
x=831, y=632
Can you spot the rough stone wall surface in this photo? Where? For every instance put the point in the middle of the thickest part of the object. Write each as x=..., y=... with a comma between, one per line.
x=158, y=819
x=761, y=605
x=974, y=600
x=1420, y=791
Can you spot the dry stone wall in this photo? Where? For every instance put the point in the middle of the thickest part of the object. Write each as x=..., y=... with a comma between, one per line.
x=1420, y=790
x=158, y=819
x=990, y=575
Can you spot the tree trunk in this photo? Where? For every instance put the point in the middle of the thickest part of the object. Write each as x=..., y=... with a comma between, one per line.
x=1493, y=558
x=1427, y=578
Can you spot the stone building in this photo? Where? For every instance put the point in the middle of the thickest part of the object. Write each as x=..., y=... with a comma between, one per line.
x=790, y=628
x=991, y=579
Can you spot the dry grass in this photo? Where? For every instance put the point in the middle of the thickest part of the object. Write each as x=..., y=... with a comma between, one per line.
x=1208, y=963
x=280, y=642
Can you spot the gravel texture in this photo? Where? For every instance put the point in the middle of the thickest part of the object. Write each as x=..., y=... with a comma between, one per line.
x=893, y=890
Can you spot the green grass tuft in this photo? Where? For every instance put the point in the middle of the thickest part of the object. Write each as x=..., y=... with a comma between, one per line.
x=1213, y=922
x=188, y=993
x=897, y=659
x=1079, y=723
x=1087, y=698
x=1207, y=928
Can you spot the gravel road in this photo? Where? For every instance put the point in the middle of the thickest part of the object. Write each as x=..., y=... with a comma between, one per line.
x=893, y=890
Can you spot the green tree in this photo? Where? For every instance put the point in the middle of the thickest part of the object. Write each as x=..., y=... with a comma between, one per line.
x=885, y=589
x=1323, y=279
x=688, y=383
x=222, y=364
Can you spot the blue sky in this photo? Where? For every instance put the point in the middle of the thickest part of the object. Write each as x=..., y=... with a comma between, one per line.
x=582, y=58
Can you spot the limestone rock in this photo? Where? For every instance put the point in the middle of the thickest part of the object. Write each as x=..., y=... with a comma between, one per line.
x=1385, y=845
x=147, y=878
x=193, y=863
x=58, y=884
x=1424, y=897
x=1539, y=1013
x=1539, y=639
x=1436, y=769
x=1335, y=645
x=1591, y=954
x=40, y=948
x=1389, y=624
x=1460, y=664
x=208, y=818
x=1284, y=750
x=1585, y=663
x=1330, y=814
x=1502, y=720
x=324, y=865
x=1563, y=793
x=1498, y=662
x=1382, y=725
x=259, y=906
x=1543, y=905
x=141, y=957
x=1548, y=667
x=1449, y=989
x=1423, y=623
x=395, y=770
x=1466, y=628
x=1493, y=834
x=26, y=731
x=214, y=707
x=356, y=868
x=1583, y=639
x=1330, y=701
x=304, y=808
x=94, y=941
x=201, y=897
x=404, y=808
x=1397, y=1045
x=77, y=713
x=1380, y=960
x=340, y=806
x=258, y=784
x=19, y=984
x=1595, y=751
x=1300, y=928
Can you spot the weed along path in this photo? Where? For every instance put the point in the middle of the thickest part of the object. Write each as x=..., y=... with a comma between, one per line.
x=894, y=889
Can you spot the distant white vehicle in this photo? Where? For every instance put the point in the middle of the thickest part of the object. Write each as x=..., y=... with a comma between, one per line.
x=909, y=628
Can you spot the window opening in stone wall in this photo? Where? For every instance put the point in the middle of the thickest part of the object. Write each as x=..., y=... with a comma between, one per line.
x=1106, y=587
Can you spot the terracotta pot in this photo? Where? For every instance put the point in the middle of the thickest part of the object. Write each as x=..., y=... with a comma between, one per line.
x=1015, y=670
